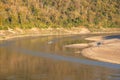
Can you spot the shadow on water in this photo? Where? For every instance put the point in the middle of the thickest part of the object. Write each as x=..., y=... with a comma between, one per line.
x=36, y=59
x=69, y=59
x=5, y=43
x=112, y=37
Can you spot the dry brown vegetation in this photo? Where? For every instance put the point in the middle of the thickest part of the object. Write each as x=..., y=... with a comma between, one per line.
x=59, y=13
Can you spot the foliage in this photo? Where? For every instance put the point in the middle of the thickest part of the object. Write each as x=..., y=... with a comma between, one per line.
x=59, y=13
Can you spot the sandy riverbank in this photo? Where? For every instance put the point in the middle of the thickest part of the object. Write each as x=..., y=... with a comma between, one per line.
x=107, y=51
x=17, y=33
x=104, y=48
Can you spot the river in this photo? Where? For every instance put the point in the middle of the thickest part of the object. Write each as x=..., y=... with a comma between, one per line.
x=46, y=58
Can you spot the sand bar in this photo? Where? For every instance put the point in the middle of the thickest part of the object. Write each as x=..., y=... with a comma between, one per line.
x=109, y=51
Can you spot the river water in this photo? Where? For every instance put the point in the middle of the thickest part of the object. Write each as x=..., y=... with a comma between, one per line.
x=46, y=58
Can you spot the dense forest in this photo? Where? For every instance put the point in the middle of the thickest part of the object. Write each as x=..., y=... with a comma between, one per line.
x=59, y=13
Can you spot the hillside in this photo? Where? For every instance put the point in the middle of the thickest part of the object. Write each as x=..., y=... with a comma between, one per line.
x=59, y=13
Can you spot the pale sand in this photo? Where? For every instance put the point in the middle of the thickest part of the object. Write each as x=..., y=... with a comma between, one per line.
x=83, y=45
x=17, y=33
x=108, y=51
x=94, y=38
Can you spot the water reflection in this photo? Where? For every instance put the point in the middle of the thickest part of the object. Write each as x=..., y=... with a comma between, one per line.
x=15, y=65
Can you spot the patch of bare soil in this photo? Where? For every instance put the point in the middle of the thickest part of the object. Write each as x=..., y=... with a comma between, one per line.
x=108, y=51
x=17, y=32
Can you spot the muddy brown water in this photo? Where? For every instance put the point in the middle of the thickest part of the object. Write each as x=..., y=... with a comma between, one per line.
x=45, y=58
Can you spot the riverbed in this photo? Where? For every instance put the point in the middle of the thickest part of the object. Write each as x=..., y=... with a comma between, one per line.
x=46, y=58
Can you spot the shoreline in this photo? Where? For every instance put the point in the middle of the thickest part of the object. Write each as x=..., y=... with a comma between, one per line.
x=106, y=55
x=107, y=51
x=19, y=33
x=101, y=49
x=90, y=52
